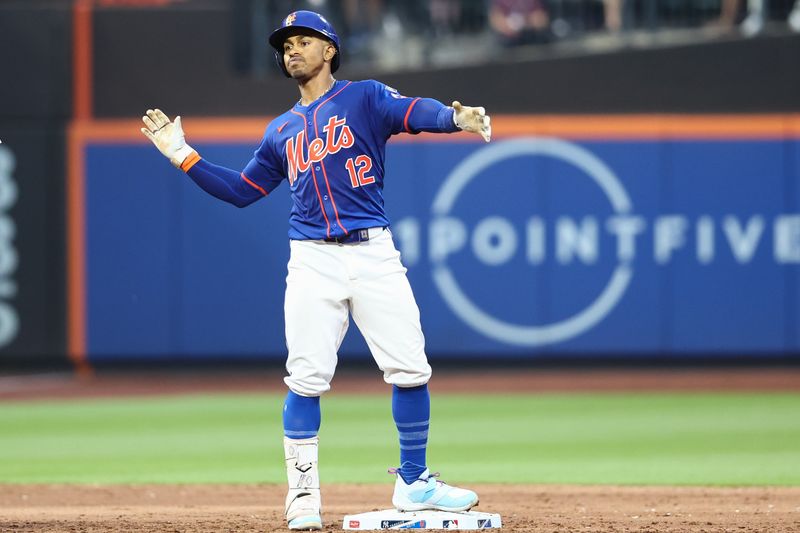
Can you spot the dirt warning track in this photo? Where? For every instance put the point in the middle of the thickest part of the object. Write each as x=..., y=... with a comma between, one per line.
x=485, y=380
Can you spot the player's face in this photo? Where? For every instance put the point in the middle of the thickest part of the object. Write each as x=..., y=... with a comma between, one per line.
x=305, y=55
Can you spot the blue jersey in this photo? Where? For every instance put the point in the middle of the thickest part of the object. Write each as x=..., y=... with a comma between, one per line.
x=332, y=151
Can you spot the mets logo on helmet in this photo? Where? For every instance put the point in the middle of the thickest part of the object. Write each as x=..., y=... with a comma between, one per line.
x=290, y=19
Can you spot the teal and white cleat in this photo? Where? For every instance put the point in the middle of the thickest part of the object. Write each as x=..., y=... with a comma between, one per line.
x=427, y=492
x=303, y=510
x=305, y=523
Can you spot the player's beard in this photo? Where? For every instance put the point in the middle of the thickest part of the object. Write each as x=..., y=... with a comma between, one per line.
x=302, y=71
x=298, y=74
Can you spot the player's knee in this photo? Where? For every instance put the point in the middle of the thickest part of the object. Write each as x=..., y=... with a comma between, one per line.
x=408, y=377
x=308, y=385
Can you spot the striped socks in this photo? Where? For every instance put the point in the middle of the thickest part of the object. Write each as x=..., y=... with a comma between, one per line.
x=411, y=409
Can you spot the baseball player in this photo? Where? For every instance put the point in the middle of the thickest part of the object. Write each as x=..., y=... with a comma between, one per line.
x=329, y=148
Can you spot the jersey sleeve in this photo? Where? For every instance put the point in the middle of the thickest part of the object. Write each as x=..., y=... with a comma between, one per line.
x=223, y=183
x=411, y=115
x=264, y=171
x=259, y=178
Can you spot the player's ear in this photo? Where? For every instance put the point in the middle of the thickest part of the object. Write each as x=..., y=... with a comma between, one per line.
x=330, y=51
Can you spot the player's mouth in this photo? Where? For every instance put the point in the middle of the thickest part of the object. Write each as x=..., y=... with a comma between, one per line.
x=295, y=60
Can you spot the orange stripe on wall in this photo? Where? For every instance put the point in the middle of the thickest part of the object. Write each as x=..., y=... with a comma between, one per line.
x=632, y=127
x=197, y=129
x=650, y=126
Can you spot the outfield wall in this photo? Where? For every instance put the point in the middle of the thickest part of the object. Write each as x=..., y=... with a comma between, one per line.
x=55, y=110
x=631, y=236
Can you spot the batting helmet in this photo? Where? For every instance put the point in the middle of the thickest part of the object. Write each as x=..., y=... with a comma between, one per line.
x=307, y=20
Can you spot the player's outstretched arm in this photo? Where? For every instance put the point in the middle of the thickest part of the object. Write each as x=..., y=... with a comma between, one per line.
x=167, y=136
x=473, y=119
x=220, y=182
x=415, y=115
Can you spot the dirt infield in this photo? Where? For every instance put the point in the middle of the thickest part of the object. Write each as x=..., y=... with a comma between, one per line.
x=208, y=508
x=536, y=508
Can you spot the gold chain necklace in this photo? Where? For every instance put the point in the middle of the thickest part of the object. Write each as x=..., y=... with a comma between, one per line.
x=321, y=95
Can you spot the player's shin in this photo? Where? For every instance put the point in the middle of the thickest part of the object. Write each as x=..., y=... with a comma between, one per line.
x=303, y=503
x=411, y=409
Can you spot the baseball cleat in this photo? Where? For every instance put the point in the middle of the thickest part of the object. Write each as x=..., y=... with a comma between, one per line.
x=302, y=510
x=427, y=492
x=306, y=523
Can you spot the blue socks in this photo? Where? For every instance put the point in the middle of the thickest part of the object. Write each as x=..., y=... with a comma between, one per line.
x=411, y=409
x=301, y=416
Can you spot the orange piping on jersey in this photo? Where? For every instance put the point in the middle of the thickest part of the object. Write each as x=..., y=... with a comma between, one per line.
x=319, y=196
x=253, y=184
x=190, y=161
x=324, y=172
x=408, y=114
x=331, y=96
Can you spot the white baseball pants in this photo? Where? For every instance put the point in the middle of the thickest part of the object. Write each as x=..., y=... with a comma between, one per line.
x=326, y=283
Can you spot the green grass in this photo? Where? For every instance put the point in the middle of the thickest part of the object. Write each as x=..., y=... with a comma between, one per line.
x=688, y=439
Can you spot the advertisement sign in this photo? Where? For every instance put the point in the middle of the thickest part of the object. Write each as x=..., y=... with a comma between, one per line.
x=632, y=246
x=31, y=242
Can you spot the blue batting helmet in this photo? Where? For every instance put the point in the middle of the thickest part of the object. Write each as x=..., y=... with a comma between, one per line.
x=307, y=20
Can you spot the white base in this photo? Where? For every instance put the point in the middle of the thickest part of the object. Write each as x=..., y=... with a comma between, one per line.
x=394, y=519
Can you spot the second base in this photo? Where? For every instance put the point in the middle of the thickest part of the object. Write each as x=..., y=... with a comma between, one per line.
x=394, y=519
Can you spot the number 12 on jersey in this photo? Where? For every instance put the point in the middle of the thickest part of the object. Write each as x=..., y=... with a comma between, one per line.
x=357, y=168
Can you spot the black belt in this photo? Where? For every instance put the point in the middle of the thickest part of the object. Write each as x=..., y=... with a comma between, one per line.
x=359, y=235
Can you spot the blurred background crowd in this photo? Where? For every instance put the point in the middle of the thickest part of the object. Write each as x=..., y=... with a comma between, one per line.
x=412, y=34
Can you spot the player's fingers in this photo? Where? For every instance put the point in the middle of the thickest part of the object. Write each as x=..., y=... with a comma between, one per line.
x=151, y=114
x=457, y=105
x=479, y=111
x=148, y=134
x=162, y=119
x=149, y=123
x=177, y=123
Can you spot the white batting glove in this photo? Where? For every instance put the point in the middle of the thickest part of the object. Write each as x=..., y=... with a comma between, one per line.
x=167, y=136
x=473, y=119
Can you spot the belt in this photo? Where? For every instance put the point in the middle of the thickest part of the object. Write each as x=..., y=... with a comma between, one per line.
x=356, y=236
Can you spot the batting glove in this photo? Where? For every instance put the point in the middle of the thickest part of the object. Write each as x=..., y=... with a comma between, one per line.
x=473, y=119
x=167, y=136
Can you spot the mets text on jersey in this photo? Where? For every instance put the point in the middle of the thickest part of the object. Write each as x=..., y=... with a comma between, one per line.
x=317, y=149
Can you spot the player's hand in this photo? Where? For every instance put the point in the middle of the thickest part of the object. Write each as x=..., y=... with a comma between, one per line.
x=166, y=135
x=473, y=119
